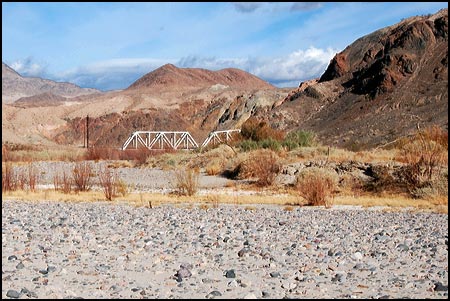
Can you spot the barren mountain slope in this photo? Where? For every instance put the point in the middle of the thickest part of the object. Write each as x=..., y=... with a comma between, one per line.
x=379, y=88
x=171, y=78
x=15, y=86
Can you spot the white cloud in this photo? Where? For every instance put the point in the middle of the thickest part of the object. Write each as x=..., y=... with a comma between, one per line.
x=111, y=74
x=282, y=71
x=28, y=67
x=298, y=66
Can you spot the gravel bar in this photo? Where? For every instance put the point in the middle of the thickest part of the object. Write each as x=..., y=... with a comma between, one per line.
x=110, y=250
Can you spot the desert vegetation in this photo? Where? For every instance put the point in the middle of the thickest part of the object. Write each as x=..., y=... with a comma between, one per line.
x=186, y=181
x=412, y=172
x=317, y=186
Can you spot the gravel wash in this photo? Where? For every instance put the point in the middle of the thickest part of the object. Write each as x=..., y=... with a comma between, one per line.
x=110, y=250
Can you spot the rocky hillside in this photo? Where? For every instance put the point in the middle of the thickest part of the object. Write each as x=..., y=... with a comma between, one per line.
x=379, y=88
x=171, y=78
x=15, y=86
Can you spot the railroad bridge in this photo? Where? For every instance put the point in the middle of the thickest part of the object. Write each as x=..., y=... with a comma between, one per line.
x=175, y=139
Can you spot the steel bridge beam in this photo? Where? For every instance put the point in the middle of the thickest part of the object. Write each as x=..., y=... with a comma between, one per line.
x=161, y=139
x=174, y=140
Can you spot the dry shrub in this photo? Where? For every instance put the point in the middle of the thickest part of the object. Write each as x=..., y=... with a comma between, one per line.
x=5, y=153
x=9, y=179
x=317, y=186
x=122, y=188
x=21, y=179
x=139, y=156
x=257, y=130
x=288, y=208
x=93, y=153
x=33, y=176
x=62, y=182
x=384, y=179
x=214, y=167
x=424, y=154
x=186, y=181
x=350, y=184
x=108, y=179
x=82, y=176
x=263, y=164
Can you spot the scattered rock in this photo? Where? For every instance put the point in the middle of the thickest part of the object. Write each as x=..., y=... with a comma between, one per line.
x=12, y=294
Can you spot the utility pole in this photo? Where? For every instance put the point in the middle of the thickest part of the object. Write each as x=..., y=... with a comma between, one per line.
x=87, y=131
x=84, y=134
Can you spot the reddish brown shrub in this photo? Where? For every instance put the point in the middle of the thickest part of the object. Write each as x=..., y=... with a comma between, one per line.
x=9, y=181
x=62, y=182
x=264, y=165
x=424, y=154
x=108, y=181
x=33, y=176
x=317, y=186
x=82, y=174
x=256, y=130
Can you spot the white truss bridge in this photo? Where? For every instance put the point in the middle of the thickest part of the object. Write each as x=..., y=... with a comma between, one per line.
x=174, y=140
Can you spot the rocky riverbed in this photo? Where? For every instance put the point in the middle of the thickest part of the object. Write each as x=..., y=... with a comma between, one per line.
x=110, y=250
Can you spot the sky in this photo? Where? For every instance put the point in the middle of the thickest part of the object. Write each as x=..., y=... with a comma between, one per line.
x=109, y=45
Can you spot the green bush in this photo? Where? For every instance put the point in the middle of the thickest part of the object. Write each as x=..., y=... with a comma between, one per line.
x=248, y=145
x=289, y=145
x=270, y=143
x=299, y=139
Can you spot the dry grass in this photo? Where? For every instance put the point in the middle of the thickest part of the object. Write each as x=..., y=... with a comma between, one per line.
x=288, y=201
x=439, y=205
x=219, y=159
x=214, y=200
x=120, y=164
x=338, y=155
x=27, y=153
x=203, y=206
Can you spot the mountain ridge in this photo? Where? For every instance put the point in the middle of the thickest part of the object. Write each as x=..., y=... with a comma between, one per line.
x=170, y=77
x=15, y=86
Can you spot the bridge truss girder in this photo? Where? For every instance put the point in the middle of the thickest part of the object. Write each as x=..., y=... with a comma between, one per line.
x=161, y=140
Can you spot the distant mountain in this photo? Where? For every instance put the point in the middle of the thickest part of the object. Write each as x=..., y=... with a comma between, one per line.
x=171, y=78
x=40, y=100
x=15, y=86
